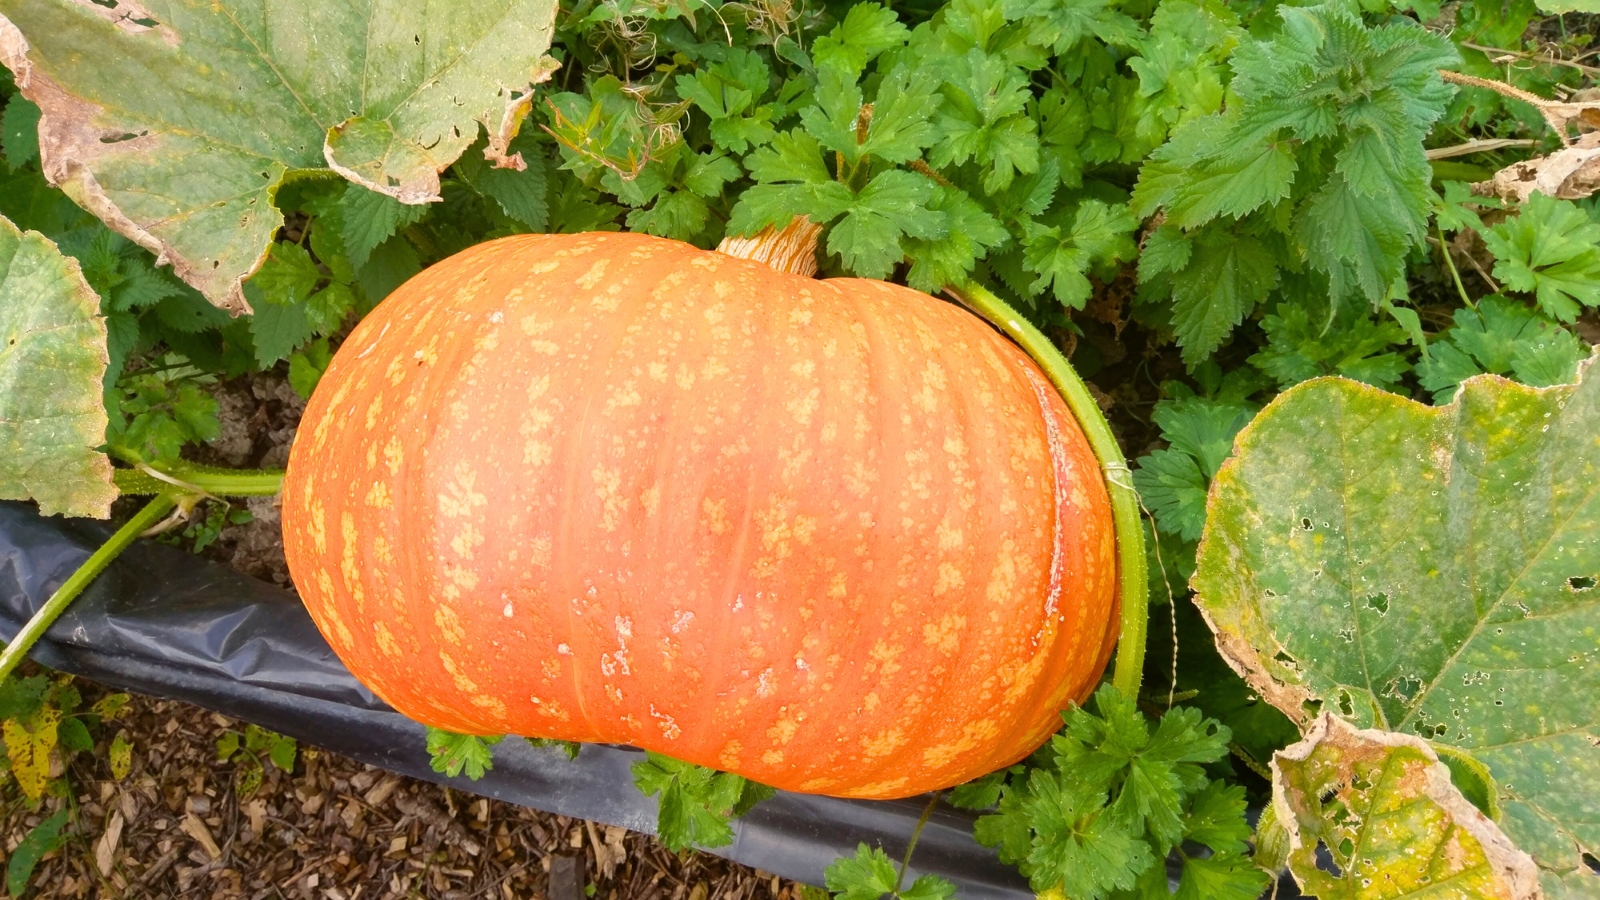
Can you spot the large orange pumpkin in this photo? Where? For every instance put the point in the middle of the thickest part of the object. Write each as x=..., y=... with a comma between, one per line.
x=835, y=536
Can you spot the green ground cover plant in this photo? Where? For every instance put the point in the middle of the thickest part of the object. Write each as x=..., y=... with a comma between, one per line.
x=1332, y=269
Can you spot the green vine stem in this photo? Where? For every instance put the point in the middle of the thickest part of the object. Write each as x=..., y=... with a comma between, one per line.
x=74, y=585
x=197, y=479
x=1119, y=481
x=173, y=486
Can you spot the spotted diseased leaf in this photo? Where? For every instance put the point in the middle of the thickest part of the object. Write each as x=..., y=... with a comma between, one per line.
x=1383, y=807
x=29, y=742
x=1428, y=571
x=386, y=96
x=53, y=360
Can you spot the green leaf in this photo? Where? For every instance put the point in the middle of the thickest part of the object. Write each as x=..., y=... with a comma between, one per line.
x=1100, y=234
x=894, y=203
x=74, y=735
x=282, y=752
x=278, y=329
x=227, y=746
x=306, y=367
x=1427, y=571
x=288, y=276
x=520, y=193
x=19, y=132
x=1356, y=346
x=1550, y=249
x=53, y=361
x=367, y=219
x=1500, y=337
x=868, y=30
x=1226, y=275
x=867, y=876
x=453, y=754
x=40, y=840
x=983, y=120
x=391, y=264
x=570, y=748
x=696, y=803
x=1063, y=23
x=1382, y=806
x=230, y=103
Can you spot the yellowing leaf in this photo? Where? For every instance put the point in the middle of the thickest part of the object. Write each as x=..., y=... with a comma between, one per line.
x=1430, y=571
x=52, y=361
x=176, y=121
x=28, y=743
x=121, y=756
x=1383, y=809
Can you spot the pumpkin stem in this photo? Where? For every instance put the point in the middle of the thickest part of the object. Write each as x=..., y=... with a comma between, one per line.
x=1135, y=590
x=792, y=250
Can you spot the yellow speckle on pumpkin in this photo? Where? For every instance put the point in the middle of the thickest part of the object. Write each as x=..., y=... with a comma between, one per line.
x=883, y=743
x=393, y=455
x=607, y=488
x=945, y=634
x=461, y=496
x=596, y=273
x=466, y=540
x=386, y=642
x=319, y=529
x=374, y=410
x=729, y=757
x=949, y=579
x=772, y=757
x=716, y=516
x=449, y=622
x=378, y=496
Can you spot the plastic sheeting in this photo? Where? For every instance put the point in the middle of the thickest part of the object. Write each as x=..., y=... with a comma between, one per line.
x=165, y=623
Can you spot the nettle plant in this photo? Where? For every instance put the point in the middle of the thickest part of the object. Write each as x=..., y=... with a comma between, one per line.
x=1357, y=241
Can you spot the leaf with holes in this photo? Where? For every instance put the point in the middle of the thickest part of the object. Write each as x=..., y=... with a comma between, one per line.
x=1383, y=809
x=176, y=121
x=52, y=359
x=1429, y=571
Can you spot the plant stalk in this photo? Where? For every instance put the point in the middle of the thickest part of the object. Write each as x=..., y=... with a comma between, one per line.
x=1129, y=668
x=35, y=628
x=201, y=480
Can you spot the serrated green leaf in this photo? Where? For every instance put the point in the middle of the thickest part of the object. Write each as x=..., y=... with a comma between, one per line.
x=866, y=876
x=454, y=754
x=1550, y=249
x=388, y=97
x=1063, y=23
x=1383, y=807
x=1101, y=233
x=520, y=193
x=306, y=367
x=19, y=132
x=1225, y=277
x=1474, y=632
x=868, y=30
x=1357, y=346
x=53, y=359
x=288, y=276
x=696, y=803
x=367, y=219
x=893, y=203
x=1500, y=337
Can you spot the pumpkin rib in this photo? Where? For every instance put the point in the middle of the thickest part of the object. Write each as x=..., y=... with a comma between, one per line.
x=867, y=658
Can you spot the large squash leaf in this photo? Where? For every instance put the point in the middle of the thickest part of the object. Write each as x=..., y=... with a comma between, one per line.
x=1382, y=807
x=1429, y=571
x=52, y=360
x=175, y=121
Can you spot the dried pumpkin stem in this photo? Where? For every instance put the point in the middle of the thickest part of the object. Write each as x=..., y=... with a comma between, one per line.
x=792, y=249
x=1119, y=482
x=77, y=581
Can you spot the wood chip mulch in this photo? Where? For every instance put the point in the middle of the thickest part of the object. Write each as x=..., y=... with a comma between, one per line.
x=177, y=826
